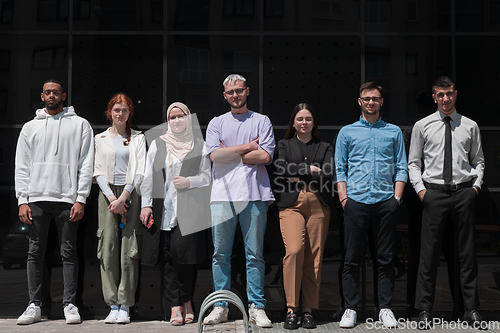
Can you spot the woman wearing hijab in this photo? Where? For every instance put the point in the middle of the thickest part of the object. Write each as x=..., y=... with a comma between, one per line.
x=118, y=168
x=176, y=201
x=305, y=170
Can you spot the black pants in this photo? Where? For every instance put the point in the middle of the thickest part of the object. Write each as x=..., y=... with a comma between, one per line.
x=381, y=218
x=43, y=212
x=459, y=207
x=178, y=279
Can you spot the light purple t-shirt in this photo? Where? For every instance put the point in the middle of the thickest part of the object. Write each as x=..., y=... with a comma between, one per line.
x=238, y=181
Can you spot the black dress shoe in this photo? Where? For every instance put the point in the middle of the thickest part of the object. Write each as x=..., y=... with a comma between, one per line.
x=424, y=321
x=291, y=321
x=308, y=320
x=475, y=320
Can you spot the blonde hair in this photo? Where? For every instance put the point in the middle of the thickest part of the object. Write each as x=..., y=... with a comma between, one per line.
x=233, y=78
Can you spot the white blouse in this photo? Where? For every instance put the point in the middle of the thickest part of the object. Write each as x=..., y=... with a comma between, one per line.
x=105, y=160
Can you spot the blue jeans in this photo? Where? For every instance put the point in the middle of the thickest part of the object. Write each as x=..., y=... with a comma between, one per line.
x=253, y=219
x=42, y=213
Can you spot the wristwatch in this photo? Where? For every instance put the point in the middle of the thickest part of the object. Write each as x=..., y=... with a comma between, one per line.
x=400, y=200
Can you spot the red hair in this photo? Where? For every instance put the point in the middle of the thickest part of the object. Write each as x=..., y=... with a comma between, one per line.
x=121, y=98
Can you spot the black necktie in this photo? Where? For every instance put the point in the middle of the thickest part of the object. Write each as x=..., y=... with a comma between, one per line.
x=447, y=174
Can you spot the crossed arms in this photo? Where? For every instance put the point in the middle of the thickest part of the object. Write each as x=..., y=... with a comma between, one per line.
x=248, y=153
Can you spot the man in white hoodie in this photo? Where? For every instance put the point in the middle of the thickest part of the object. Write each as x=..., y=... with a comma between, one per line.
x=53, y=178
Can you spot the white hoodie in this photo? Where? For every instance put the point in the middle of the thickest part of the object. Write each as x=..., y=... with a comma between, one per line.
x=54, y=158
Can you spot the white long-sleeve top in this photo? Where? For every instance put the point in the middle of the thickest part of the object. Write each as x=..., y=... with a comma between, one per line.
x=105, y=160
x=169, y=216
x=54, y=158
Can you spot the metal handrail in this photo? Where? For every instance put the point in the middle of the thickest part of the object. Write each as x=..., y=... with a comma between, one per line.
x=222, y=296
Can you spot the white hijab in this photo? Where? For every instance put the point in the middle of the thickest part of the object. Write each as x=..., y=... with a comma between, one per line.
x=179, y=144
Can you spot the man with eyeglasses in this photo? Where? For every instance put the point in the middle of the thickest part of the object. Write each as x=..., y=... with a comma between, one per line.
x=447, y=182
x=240, y=144
x=371, y=170
x=53, y=178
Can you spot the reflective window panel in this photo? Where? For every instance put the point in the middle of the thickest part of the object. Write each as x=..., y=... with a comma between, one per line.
x=323, y=71
x=26, y=62
x=118, y=15
x=105, y=65
x=477, y=76
x=406, y=67
x=314, y=15
x=205, y=15
x=198, y=65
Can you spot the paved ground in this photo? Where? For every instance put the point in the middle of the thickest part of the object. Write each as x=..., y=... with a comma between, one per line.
x=97, y=326
x=13, y=289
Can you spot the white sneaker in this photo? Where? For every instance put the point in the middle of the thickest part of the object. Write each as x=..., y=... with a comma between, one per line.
x=123, y=315
x=113, y=315
x=33, y=314
x=258, y=317
x=348, y=319
x=218, y=315
x=71, y=314
x=386, y=317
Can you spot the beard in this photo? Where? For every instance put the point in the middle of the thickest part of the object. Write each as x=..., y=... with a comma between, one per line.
x=53, y=106
x=239, y=105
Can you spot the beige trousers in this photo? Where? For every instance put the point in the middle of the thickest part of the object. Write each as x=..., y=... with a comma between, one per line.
x=304, y=227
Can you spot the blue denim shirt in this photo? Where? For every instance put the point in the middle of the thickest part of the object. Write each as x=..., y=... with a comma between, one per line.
x=370, y=159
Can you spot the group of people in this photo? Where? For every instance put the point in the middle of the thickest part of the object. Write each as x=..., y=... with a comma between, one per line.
x=445, y=161
x=155, y=204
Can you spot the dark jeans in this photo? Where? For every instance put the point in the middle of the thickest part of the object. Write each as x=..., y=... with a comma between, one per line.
x=459, y=207
x=381, y=219
x=178, y=279
x=43, y=213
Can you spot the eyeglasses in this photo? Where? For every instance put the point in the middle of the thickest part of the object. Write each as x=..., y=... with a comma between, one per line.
x=448, y=94
x=374, y=99
x=117, y=111
x=237, y=91
x=55, y=92
x=176, y=117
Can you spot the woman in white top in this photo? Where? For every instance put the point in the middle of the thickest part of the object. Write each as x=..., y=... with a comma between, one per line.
x=118, y=168
x=176, y=196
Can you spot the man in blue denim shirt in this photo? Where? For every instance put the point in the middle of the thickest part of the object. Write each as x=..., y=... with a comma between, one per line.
x=371, y=169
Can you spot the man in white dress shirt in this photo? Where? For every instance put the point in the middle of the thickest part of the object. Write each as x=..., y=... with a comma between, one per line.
x=446, y=166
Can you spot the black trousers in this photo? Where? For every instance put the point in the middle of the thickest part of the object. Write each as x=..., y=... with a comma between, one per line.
x=178, y=279
x=459, y=207
x=381, y=218
x=43, y=212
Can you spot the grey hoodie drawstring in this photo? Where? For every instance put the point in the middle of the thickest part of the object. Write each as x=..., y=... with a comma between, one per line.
x=57, y=137
x=59, y=119
x=45, y=137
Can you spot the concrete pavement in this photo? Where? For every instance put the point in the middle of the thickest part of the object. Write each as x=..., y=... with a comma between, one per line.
x=13, y=301
x=98, y=326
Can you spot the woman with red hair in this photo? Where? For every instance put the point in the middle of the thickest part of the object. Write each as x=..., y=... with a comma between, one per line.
x=118, y=169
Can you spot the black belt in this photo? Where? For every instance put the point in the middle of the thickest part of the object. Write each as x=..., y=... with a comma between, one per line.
x=451, y=187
